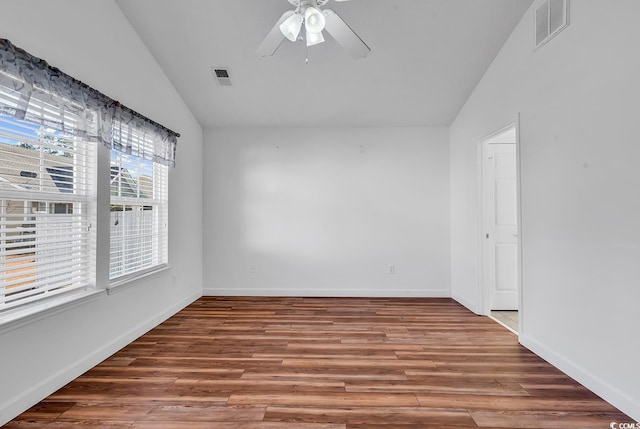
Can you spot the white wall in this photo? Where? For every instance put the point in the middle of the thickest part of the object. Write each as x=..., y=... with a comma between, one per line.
x=325, y=212
x=94, y=42
x=578, y=99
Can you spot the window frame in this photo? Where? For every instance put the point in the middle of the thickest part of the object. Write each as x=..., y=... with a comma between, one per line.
x=34, y=92
x=51, y=271
x=157, y=199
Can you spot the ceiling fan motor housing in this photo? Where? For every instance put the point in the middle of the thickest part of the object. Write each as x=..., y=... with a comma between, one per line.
x=314, y=3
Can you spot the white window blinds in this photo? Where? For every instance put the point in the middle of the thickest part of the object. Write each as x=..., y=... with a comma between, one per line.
x=46, y=198
x=139, y=198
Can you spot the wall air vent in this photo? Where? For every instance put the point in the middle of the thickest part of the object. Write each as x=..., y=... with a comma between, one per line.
x=222, y=76
x=552, y=16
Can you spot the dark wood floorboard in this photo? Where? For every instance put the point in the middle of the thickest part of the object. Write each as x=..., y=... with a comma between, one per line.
x=323, y=363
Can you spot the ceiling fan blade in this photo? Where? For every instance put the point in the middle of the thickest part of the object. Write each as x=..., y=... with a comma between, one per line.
x=275, y=37
x=344, y=35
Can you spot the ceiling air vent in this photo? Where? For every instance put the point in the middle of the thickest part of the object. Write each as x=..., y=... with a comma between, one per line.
x=552, y=16
x=222, y=76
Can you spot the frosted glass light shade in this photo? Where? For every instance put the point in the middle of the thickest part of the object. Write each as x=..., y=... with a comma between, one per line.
x=290, y=28
x=314, y=38
x=314, y=20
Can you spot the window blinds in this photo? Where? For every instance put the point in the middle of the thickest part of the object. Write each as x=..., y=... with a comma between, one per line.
x=46, y=182
x=139, y=199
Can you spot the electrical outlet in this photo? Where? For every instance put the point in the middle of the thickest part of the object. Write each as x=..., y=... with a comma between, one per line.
x=392, y=269
x=252, y=269
x=174, y=280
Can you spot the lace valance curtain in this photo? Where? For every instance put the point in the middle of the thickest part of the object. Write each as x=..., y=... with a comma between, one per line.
x=76, y=109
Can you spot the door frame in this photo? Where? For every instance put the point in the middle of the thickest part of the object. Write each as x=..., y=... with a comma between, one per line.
x=484, y=290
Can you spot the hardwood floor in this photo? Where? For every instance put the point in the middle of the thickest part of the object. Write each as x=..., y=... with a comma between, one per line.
x=316, y=363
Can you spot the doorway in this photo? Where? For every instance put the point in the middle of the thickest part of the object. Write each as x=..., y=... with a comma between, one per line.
x=500, y=227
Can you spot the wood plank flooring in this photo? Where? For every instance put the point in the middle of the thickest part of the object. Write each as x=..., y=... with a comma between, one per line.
x=319, y=363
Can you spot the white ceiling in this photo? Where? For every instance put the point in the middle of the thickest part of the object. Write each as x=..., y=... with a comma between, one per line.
x=426, y=58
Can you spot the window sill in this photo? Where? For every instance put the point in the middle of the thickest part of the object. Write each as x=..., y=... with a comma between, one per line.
x=122, y=283
x=20, y=317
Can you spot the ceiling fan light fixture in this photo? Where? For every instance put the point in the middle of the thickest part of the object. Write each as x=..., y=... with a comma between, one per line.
x=314, y=38
x=314, y=20
x=308, y=13
x=291, y=27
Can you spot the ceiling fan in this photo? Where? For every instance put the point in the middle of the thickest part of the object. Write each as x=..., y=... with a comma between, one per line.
x=307, y=14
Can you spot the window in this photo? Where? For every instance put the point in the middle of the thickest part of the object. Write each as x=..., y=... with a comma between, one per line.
x=552, y=16
x=46, y=197
x=139, y=236
x=51, y=126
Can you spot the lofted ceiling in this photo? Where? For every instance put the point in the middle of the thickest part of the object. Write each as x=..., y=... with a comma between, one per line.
x=426, y=58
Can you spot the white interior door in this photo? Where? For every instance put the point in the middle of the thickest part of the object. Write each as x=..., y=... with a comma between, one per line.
x=501, y=225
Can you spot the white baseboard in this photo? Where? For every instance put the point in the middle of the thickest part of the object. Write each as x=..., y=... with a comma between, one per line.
x=465, y=302
x=46, y=387
x=345, y=293
x=599, y=387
